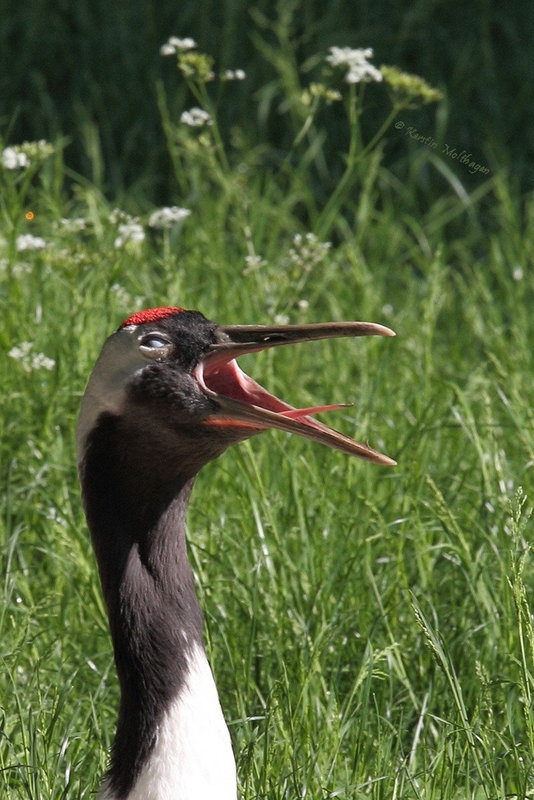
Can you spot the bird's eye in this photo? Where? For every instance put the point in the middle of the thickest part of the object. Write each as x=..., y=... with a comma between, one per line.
x=155, y=346
x=154, y=342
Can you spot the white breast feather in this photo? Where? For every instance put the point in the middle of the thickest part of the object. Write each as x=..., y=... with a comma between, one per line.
x=192, y=758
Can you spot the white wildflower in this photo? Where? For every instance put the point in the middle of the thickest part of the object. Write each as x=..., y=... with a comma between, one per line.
x=359, y=68
x=118, y=215
x=54, y=515
x=196, y=117
x=37, y=150
x=129, y=229
x=26, y=241
x=183, y=44
x=517, y=274
x=14, y=159
x=21, y=350
x=167, y=49
x=28, y=360
x=281, y=319
x=74, y=225
x=234, y=75
x=174, y=45
x=166, y=217
x=22, y=155
x=40, y=361
x=253, y=262
x=307, y=251
x=129, y=232
x=303, y=305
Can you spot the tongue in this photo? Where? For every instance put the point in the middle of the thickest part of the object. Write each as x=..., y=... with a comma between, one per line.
x=228, y=379
x=298, y=413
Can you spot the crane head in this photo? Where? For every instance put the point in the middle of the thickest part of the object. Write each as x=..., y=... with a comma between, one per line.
x=170, y=377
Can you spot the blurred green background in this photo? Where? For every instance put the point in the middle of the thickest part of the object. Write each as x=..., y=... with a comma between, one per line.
x=88, y=71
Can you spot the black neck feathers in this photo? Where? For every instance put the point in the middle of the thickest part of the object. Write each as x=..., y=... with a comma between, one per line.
x=137, y=521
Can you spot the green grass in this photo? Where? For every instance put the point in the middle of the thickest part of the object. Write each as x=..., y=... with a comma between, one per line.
x=370, y=629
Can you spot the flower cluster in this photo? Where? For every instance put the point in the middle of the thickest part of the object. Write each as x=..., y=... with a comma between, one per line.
x=409, y=87
x=14, y=159
x=234, y=75
x=129, y=232
x=355, y=60
x=54, y=516
x=30, y=360
x=193, y=65
x=27, y=241
x=253, y=262
x=74, y=225
x=196, y=117
x=23, y=155
x=307, y=251
x=319, y=91
x=129, y=229
x=166, y=217
x=196, y=66
x=175, y=45
x=118, y=216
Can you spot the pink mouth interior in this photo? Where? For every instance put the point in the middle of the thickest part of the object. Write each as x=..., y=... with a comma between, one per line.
x=228, y=379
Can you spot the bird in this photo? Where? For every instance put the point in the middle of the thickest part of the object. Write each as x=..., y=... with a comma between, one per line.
x=165, y=397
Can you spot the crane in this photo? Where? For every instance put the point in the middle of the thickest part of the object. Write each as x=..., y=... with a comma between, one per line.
x=165, y=397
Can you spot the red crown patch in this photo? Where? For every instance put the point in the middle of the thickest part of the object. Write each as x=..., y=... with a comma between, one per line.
x=151, y=315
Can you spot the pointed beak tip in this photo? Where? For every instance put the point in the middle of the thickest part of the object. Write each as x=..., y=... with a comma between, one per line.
x=377, y=458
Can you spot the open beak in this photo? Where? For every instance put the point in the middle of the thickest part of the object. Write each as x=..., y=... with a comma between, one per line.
x=243, y=403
